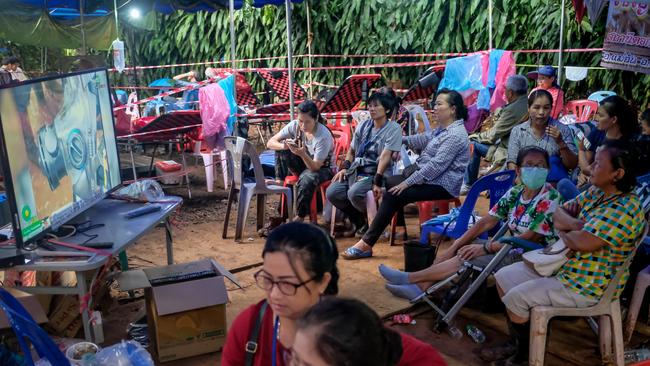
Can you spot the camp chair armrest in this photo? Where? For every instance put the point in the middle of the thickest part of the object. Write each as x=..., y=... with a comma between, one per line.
x=519, y=243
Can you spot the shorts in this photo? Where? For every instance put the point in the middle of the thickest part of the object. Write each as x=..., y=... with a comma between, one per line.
x=525, y=289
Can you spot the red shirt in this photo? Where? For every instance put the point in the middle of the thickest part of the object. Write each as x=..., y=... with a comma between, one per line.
x=234, y=351
x=418, y=353
x=415, y=352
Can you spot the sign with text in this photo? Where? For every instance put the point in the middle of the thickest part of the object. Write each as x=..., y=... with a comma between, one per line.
x=627, y=37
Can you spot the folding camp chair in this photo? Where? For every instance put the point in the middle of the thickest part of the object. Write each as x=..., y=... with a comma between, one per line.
x=465, y=282
x=497, y=184
x=278, y=81
x=354, y=89
x=426, y=85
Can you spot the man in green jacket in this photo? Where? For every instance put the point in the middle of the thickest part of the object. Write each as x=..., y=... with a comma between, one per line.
x=493, y=143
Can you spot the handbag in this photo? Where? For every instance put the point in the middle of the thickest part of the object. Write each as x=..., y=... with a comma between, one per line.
x=547, y=260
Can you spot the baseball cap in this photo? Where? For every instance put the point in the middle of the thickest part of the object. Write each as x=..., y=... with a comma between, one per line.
x=546, y=70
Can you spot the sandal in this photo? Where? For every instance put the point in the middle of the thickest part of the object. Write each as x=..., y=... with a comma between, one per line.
x=353, y=253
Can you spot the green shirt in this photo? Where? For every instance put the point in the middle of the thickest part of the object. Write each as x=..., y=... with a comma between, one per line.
x=619, y=221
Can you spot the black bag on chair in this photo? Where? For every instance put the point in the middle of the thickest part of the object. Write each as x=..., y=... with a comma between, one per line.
x=418, y=256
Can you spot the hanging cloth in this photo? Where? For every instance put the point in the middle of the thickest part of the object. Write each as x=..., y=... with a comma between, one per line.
x=575, y=73
x=579, y=6
x=594, y=9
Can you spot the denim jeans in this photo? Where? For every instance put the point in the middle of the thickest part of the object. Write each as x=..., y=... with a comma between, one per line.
x=480, y=151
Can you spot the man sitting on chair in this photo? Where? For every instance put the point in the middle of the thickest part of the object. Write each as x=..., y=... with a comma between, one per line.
x=493, y=143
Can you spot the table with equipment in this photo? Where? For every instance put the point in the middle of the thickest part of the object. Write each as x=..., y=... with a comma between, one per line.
x=111, y=225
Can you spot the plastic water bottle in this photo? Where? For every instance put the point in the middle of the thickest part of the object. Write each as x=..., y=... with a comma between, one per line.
x=475, y=333
x=637, y=355
x=118, y=55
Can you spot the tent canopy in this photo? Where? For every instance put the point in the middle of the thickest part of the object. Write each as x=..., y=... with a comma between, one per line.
x=56, y=23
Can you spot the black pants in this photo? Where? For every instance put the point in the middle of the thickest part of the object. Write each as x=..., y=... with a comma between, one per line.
x=391, y=204
x=286, y=163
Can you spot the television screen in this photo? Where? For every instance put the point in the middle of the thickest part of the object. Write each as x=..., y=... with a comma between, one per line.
x=59, y=151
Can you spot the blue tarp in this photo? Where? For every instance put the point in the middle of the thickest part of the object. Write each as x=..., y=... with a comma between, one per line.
x=67, y=9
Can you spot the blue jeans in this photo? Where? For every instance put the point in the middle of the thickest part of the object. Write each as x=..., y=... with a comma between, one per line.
x=480, y=151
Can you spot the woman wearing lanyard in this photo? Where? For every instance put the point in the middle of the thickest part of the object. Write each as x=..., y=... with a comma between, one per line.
x=526, y=208
x=370, y=153
x=543, y=131
x=601, y=227
x=437, y=174
x=299, y=268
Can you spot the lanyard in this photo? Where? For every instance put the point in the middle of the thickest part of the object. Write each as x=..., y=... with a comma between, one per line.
x=367, y=141
x=276, y=328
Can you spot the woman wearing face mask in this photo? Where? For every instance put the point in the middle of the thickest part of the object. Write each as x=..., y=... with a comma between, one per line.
x=546, y=79
x=346, y=332
x=546, y=133
x=304, y=148
x=527, y=208
x=601, y=227
x=299, y=268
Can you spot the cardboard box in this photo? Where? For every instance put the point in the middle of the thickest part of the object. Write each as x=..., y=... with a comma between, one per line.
x=29, y=302
x=186, y=307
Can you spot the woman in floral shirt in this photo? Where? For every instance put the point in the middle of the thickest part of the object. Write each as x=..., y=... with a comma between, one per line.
x=526, y=208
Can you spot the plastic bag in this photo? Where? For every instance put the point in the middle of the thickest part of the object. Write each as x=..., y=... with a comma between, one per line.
x=126, y=353
x=118, y=55
x=145, y=190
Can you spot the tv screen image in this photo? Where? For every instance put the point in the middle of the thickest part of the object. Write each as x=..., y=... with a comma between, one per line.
x=59, y=153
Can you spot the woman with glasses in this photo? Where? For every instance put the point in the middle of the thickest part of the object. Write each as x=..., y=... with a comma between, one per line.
x=299, y=268
x=341, y=332
x=526, y=208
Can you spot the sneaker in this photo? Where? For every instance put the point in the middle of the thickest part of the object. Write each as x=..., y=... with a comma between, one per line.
x=464, y=190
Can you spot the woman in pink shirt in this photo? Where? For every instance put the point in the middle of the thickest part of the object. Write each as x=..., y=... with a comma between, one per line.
x=547, y=80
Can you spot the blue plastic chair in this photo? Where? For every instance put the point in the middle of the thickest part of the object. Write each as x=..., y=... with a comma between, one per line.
x=497, y=184
x=644, y=179
x=600, y=95
x=26, y=328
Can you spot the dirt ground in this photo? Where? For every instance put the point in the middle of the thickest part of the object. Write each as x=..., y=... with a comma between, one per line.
x=197, y=234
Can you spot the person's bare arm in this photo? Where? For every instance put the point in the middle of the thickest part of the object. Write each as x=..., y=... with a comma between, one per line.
x=582, y=241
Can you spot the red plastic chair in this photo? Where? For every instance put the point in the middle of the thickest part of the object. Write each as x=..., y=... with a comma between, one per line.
x=425, y=212
x=340, y=140
x=583, y=109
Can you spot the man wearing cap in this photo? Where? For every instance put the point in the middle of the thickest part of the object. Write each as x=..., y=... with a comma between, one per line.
x=493, y=143
x=547, y=79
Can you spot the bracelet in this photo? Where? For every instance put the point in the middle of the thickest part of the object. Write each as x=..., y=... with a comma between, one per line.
x=378, y=180
x=346, y=164
x=485, y=249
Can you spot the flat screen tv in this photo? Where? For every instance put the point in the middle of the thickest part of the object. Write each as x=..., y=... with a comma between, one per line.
x=58, y=149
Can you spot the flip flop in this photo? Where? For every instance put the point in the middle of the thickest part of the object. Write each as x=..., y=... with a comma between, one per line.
x=353, y=253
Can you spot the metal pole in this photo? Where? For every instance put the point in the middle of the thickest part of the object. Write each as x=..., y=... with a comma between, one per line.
x=233, y=46
x=560, y=54
x=117, y=32
x=83, y=31
x=310, y=38
x=490, y=24
x=289, y=57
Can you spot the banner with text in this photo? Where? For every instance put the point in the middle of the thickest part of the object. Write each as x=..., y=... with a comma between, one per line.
x=627, y=37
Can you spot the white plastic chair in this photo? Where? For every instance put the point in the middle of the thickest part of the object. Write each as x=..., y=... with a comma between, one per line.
x=610, y=328
x=237, y=147
x=209, y=164
x=640, y=287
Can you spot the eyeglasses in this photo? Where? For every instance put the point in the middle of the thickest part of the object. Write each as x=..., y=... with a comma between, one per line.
x=266, y=283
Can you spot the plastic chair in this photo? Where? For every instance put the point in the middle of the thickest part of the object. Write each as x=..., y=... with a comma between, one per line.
x=27, y=329
x=640, y=288
x=237, y=147
x=496, y=184
x=610, y=327
x=600, y=95
x=583, y=109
